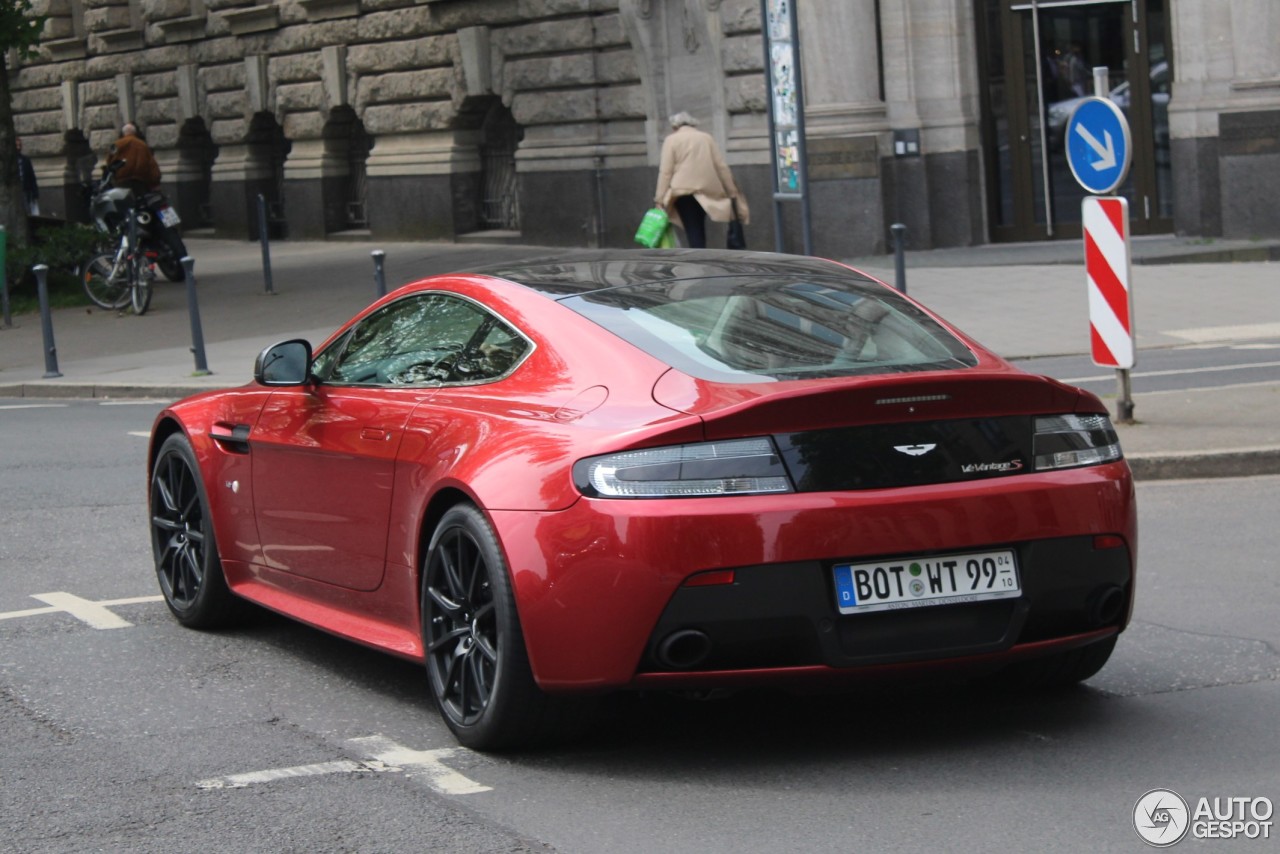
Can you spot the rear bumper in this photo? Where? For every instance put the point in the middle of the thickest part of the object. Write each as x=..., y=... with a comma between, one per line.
x=783, y=615
x=821, y=676
x=599, y=585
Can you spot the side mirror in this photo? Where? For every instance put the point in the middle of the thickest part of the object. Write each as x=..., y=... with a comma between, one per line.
x=284, y=364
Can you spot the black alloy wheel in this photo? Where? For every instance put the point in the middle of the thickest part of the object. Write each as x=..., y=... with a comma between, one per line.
x=186, y=555
x=476, y=661
x=462, y=634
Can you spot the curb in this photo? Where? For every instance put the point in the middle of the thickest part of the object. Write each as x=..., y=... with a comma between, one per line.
x=74, y=391
x=1241, y=462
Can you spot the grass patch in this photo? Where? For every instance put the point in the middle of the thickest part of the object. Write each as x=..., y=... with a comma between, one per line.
x=65, y=291
x=62, y=248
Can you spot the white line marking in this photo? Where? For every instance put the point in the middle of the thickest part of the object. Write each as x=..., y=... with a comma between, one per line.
x=1177, y=372
x=438, y=776
x=239, y=781
x=129, y=402
x=143, y=434
x=35, y=406
x=1261, y=384
x=30, y=612
x=387, y=756
x=133, y=600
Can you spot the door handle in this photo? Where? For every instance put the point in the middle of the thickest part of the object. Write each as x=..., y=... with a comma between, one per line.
x=375, y=435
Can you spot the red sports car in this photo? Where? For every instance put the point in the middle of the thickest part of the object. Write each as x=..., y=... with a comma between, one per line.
x=652, y=470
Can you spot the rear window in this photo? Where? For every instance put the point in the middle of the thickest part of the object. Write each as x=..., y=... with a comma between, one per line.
x=763, y=329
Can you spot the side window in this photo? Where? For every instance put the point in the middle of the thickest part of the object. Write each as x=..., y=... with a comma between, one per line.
x=425, y=339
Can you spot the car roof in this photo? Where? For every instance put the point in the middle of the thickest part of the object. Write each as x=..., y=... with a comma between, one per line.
x=572, y=273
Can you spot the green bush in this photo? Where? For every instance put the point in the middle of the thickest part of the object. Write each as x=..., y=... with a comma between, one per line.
x=62, y=248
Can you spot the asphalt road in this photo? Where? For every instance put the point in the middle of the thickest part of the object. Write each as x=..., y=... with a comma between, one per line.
x=122, y=731
x=1171, y=369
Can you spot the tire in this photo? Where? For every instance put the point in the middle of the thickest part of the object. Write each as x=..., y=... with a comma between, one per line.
x=101, y=288
x=186, y=554
x=140, y=293
x=477, y=665
x=171, y=251
x=1061, y=670
x=171, y=267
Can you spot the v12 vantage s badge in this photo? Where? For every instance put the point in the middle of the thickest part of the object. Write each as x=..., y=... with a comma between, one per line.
x=982, y=468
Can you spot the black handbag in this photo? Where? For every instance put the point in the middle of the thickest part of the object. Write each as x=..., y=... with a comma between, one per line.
x=737, y=237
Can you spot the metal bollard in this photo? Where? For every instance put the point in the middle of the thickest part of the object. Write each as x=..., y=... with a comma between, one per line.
x=4, y=280
x=46, y=322
x=379, y=275
x=193, y=308
x=899, y=256
x=266, y=246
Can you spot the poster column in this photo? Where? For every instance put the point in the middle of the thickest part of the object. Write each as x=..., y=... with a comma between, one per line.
x=786, y=115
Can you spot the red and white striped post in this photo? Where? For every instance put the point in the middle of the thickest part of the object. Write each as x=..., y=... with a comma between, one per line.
x=1108, y=267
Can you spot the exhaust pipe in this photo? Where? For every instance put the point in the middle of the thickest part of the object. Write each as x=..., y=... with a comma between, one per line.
x=683, y=649
x=1105, y=604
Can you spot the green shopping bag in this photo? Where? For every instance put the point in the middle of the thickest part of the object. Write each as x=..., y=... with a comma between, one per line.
x=652, y=227
x=668, y=239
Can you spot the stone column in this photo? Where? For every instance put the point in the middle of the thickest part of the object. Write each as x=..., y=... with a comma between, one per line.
x=1224, y=117
x=845, y=124
x=931, y=89
x=841, y=63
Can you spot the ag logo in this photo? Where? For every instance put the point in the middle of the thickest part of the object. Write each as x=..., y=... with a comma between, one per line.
x=914, y=450
x=1161, y=818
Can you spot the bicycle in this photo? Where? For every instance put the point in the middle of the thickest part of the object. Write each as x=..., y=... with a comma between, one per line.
x=119, y=278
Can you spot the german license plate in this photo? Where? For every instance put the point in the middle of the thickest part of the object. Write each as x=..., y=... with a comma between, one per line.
x=169, y=217
x=920, y=582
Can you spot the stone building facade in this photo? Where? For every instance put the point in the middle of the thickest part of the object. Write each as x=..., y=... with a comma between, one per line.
x=542, y=120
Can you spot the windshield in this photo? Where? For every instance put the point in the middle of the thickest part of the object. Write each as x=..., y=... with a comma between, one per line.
x=766, y=328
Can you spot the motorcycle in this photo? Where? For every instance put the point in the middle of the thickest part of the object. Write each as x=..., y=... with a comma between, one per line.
x=157, y=221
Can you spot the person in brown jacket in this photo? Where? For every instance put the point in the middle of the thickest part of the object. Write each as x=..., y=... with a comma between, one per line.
x=694, y=182
x=140, y=171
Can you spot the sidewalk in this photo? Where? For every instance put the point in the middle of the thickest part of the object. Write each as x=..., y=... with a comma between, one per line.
x=1023, y=301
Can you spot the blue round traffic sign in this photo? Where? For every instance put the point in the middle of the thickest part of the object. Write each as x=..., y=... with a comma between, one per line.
x=1099, y=148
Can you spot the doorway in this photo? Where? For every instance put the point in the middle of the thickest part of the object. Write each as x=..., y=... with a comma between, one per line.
x=499, y=197
x=1038, y=61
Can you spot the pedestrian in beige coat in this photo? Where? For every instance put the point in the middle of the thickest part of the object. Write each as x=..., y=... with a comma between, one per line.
x=694, y=182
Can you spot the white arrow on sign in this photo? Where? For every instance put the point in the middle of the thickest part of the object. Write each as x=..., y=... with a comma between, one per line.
x=1106, y=153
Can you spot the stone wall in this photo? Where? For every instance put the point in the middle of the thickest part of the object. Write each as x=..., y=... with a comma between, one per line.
x=239, y=98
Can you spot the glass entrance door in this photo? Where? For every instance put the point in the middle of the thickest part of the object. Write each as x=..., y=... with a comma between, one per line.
x=1040, y=59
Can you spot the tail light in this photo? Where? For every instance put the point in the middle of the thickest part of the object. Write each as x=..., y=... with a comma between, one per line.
x=1071, y=441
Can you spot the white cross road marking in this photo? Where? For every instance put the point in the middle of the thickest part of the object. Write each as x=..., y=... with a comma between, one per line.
x=141, y=434
x=96, y=614
x=385, y=756
x=438, y=776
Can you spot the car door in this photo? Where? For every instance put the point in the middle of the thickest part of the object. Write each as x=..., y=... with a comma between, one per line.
x=324, y=453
